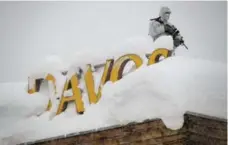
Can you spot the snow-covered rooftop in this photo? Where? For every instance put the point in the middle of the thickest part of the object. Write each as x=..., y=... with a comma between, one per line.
x=163, y=90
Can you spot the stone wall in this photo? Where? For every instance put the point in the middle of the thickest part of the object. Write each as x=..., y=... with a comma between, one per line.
x=197, y=130
x=204, y=130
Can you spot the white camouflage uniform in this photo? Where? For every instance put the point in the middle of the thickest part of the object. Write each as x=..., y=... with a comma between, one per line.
x=157, y=28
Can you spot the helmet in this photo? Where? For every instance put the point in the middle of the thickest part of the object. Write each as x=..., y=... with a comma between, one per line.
x=164, y=10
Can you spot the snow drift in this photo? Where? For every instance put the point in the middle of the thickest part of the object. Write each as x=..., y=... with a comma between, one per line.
x=164, y=90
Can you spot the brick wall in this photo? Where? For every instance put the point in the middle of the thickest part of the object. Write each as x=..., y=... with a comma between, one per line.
x=197, y=130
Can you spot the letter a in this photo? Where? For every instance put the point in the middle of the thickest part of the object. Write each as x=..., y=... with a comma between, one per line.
x=93, y=96
x=76, y=98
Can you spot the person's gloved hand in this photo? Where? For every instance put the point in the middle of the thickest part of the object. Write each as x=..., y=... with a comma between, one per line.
x=178, y=40
x=179, y=37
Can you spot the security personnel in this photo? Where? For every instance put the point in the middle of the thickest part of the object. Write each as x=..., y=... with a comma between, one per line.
x=160, y=26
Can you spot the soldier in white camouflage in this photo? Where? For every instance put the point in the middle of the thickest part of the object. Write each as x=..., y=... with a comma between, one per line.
x=160, y=26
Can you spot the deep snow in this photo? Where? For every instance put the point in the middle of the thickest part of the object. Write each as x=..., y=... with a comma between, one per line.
x=164, y=90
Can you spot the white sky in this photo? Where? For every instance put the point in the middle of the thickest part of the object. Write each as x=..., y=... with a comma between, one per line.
x=30, y=31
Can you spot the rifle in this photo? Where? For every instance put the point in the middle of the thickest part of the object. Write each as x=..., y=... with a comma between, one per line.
x=182, y=43
x=177, y=32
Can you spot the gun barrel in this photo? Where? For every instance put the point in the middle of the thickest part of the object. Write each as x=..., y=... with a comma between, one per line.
x=185, y=46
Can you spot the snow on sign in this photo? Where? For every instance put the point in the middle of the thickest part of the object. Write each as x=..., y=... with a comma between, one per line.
x=65, y=87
